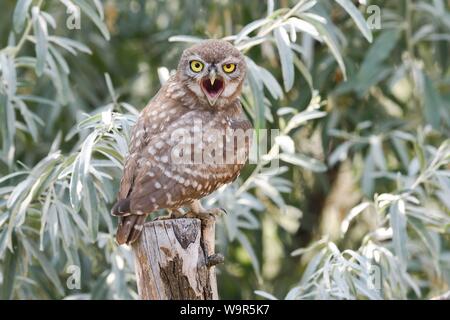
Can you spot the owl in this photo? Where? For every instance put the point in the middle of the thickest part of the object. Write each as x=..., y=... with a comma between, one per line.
x=192, y=138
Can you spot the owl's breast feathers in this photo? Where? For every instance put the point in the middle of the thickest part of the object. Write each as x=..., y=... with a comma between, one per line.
x=153, y=180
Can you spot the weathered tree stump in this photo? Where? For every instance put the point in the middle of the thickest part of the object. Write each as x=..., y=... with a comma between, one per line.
x=175, y=260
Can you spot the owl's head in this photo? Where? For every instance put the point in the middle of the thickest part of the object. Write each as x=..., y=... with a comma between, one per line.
x=213, y=70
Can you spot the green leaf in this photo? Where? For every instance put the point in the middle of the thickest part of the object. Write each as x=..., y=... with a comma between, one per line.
x=76, y=185
x=432, y=103
x=9, y=74
x=60, y=59
x=253, y=258
x=367, y=180
x=20, y=14
x=8, y=117
x=305, y=26
x=371, y=71
x=70, y=45
x=9, y=270
x=94, y=17
x=44, y=216
x=305, y=72
x=265, y=295
x=29, y=118
x=330, y=41
x=258, y=95
x=41, y=36
x=46, y=265
x=357, y=17
x=286, y=57
x=270, y=83
x=397, y=219
x=377, y=153
x=249, y=28
x=352, y=215
x=91, y=207
x=183, y=38
x=110, y=86
x=303, y=117
x=304, y=161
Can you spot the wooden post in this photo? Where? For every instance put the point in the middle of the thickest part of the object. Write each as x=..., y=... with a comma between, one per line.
x=175, y=260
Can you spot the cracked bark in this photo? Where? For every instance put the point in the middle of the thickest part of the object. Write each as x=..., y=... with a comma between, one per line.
x=175, y=260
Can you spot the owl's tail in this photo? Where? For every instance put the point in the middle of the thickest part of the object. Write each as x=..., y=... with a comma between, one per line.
x=130, y=225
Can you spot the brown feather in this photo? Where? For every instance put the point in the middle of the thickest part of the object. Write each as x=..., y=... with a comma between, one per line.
x=151, y=181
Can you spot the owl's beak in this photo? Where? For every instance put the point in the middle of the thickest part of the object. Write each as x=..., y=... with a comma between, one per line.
x=212, y=76
x=212, y=86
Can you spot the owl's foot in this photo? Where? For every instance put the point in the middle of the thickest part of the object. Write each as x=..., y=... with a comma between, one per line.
x=173, y=214
x=198, y=211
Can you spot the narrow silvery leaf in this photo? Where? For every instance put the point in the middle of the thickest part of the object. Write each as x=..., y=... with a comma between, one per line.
x=265, y=295
x=270, y=6
x=249, y=28
x=253, y=258
x=286, y=57
x=256, y=86
x=99, y=6
x=41, y=34
x=9, y=74
x=352, y=214
x=286, y=143
x=367, y=180
x=9, y=270
x=20, y=14
x=270, y=191
x=60, y=59
x=397, y=219
x=432, y=103
x=302, y=117
x=44, y=216
x=49, y=19
x=329, y=40
x=305, y=72
x=94, y=17
x=183, y=38
x=110, y=86
x=308, y=5
x=70, y=45
x=304, y=161
x=376, y=151
x=76, y=186
x=357, y=17
x=340, y=153
x=46, y=264
x=304, y=26
x=271, y=83
x=29, y=118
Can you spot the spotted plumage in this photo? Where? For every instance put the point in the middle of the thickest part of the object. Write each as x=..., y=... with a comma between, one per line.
x=191, y=138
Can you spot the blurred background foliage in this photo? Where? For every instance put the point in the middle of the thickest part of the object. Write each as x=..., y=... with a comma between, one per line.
x=359, y=207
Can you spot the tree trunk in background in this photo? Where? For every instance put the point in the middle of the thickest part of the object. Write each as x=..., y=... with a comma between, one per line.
x=175, y=260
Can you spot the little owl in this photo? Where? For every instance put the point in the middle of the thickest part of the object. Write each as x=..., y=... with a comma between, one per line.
x=187, y=142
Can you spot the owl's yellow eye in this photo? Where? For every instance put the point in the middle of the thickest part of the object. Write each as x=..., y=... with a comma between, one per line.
x=229, y=67
x=196, y=66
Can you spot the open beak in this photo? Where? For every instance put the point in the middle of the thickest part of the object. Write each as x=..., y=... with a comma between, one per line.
x=212, y=76
x=212, y=86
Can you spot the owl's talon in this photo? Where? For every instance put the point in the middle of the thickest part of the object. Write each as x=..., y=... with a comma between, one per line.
x=165, y=217
x=214, y=259
x=173, y=214
x=217, y=212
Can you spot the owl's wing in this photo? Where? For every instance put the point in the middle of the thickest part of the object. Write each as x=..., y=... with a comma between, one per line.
x=151, y=122
x=160, y=182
